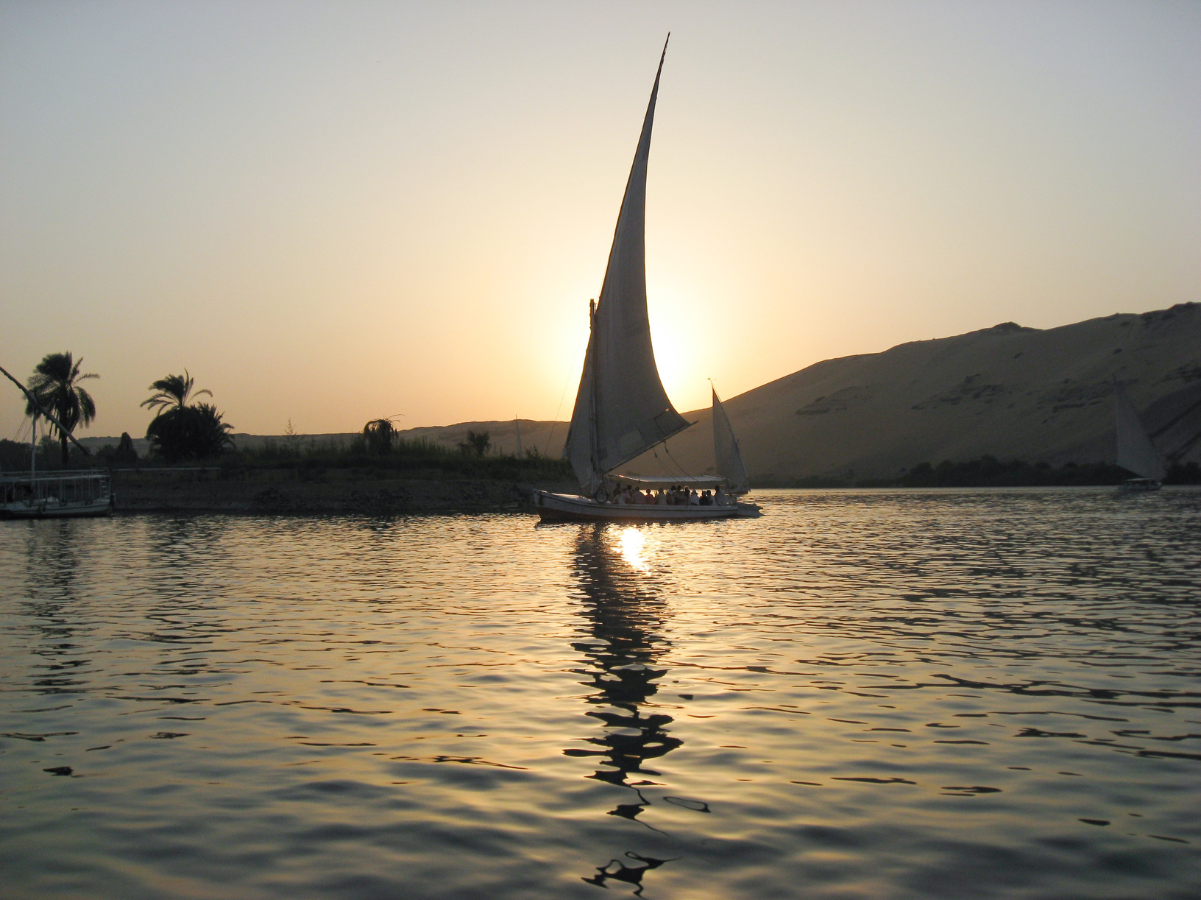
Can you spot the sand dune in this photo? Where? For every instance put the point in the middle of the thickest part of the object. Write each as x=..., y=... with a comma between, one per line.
x=1008, y=391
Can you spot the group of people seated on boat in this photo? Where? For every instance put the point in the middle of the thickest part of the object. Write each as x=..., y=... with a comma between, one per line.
x=676, y=495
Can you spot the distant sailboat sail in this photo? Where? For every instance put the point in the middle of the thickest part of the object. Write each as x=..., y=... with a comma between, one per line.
x=725, y=449
x=1136, y=453
x=621, y=409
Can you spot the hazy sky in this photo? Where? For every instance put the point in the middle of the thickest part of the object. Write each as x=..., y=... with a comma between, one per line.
x=334, y=211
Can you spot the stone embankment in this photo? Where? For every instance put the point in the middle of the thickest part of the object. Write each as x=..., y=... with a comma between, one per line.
x=276, y=492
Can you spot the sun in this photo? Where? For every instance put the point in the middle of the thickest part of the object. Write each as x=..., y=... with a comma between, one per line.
x=682, y=348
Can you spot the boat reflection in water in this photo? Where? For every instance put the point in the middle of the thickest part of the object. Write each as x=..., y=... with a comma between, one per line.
x=624, y=613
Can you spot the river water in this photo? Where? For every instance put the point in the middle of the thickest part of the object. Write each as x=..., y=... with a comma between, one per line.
x=893, y=694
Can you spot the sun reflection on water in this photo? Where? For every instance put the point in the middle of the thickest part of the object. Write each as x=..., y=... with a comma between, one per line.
x=632, y=542
x=624, y=613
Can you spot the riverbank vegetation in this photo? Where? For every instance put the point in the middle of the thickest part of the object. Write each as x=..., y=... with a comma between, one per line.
x=988, y=471
x=386, y=451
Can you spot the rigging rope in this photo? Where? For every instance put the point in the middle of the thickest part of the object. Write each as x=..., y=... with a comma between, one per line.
x=679, y=469
x=673, y=459
x=555, y=421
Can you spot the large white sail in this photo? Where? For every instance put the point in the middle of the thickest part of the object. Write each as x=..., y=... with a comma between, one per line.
x=1136, y=453
x=621, y=409
x=725, y=449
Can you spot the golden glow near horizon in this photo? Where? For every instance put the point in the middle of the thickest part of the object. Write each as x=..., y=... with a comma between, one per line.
x=329, y=213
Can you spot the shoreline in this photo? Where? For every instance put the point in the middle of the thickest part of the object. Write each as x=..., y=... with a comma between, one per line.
x=287, y=493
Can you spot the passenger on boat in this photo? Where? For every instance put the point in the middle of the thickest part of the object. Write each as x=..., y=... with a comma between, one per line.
x=720, y=498
x=660, y=498
x=706, y=500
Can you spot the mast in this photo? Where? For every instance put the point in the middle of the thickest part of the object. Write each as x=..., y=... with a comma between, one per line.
x=593, y=430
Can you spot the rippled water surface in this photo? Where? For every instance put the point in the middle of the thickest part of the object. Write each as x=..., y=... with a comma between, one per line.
x=892, y=695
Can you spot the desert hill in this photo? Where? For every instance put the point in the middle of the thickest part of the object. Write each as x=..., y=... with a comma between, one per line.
x=1008, y=391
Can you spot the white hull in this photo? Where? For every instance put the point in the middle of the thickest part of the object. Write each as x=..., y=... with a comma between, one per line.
x=55, y=510
x=56, y=496
x=569, y=507
x=1140, y=484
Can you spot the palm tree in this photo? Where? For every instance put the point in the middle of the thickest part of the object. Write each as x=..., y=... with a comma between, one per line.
x=181, y=430
x=172, y=392
x=55, y=384
x=379, y=434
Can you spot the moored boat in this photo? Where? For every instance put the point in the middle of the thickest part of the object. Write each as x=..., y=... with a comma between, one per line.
x=52, y=495
x=56, y=495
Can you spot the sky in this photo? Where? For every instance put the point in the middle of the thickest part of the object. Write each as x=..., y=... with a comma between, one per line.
x=329, y=212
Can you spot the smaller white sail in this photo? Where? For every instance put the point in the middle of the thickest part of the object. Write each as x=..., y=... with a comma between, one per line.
x=1136, y=453
x=725, y=449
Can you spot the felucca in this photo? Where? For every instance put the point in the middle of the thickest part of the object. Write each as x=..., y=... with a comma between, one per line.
x=621, y=409
x=1136, y=453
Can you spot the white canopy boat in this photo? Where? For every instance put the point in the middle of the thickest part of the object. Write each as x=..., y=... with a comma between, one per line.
x=53, y=495
x=57, y=495
x=1136, y=452
x=621, y=409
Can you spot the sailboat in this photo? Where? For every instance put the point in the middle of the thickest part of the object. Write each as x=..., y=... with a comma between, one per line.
x=1136, y=453
x=726, y=452
x=621, y=409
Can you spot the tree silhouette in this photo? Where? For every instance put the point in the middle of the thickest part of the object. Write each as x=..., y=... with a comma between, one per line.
x=125, y=454
x=477, y=442
x=189, y=432
x=379, y=434
x=183, y=430
x=172, y=392
x=55, y=384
